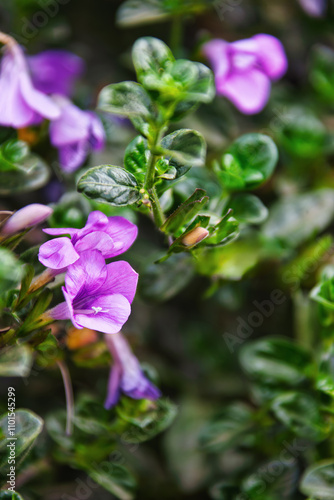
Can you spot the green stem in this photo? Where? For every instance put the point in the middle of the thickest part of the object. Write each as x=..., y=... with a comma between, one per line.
x=150, y=178
x=176, y=35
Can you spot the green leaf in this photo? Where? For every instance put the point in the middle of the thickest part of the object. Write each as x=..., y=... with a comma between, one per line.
x=114, y=478
x=151, y=58
x=8, y=495
x=141, y=425
x=275, y=360
x=300, y=413
x=179, y=244
x=248, y=208
x=184, y=149
x=125, y=98
x=322, y=72
x=138, y=12
x=15, y=361
x=224, y=232
x=20, y=170
x=194, y=79
x=301, y=134
x=28, y=426
x=227, y=429
x=136, y=157
x=110, y=184
x=224, y=491
x=10, y=270
x=318, y=480
x=248, y=163
x=160, y=282
x=295, y=219
x=186, y=211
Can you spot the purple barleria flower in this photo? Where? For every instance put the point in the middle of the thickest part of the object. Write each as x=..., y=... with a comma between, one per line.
x=315, y=8
x=126, y=375
x=75, y=134
x=21, y=104
x=110, y=235
x=244, y=69
x=55, y=71
x=98, y=296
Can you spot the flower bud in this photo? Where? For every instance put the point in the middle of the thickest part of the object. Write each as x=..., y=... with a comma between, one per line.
x=195, y=236
x=26, y=217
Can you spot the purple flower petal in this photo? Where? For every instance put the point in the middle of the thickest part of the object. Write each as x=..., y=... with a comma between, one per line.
x=55, y=71
x=122, y=232
x=113, y=392
x=249, y=94
x=315, y=8
x=121, y=279
x=98, y=135
x=72, y=125
x=271, y=55
x=72, y=156
x=26, y=217
x=108, y=313
x=55, y=231
x=97, y=240
x=61, y=311
x=58, y=253
x=87, y=275
x=217, y=52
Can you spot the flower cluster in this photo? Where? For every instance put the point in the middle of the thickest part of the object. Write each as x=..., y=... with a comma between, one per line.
x=244, y=69
x=36, y=88
x=97, y=295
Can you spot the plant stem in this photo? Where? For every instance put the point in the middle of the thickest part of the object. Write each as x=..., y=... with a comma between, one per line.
x=176, y=35
x=150, y=178
x=68, y=395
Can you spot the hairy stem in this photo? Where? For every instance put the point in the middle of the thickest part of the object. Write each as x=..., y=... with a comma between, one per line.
x=150, y=179
x=68, y=395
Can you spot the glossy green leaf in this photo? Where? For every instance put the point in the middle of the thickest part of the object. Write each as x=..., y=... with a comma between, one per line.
x=248, y=163
x=300, y=413
x=15, y=361
x=136, y=157
x=110, y=184
x=151, y=57
x=10, y=270
x=115, y=479
x=8, y=495
x=139, y=12
x=227, y=429
x=184, y=149
x=274, y=360
x=20, y=171
x=322, y=72
x=297, y=218
x=248, y=208
x=318, y=481
x=28, y=426
x=224, y=232
x=185, y=212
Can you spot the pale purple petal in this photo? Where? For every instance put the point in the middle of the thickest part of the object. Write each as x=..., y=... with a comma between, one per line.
x=58, y=253
x=122, y=232
x=87, y=275
x=249, y=93
x=109, y=313
x=72, y=156
x=97, y=221
x=42, y=104
x=121, y=279
x=97, y=240
x=97, y=133
x=55, y=231
x=271, y=56
x=144, y=389
x=55, y=71
x=315, y=8
x=72, y=125
x=113, y=392
x=69, y=303
x=217, y=51
x=61, y=311
x=26, y=217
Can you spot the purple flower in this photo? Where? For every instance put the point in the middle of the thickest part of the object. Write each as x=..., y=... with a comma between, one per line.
x=98, y=296
x=126, y=375
x=244, y=69
x=110, y=235
x=21, y=104
x=75, y=133
x=315, y=8
x=26, y=217
x=55, y=71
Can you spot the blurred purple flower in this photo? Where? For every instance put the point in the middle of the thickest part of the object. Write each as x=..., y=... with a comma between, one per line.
x=244, y=69
x=21, y=104
x=315, y=8
x=98, y=296
x=110, y=235
x=55, y=71
x=75, y=133
x=26, y=217
x=126, y=375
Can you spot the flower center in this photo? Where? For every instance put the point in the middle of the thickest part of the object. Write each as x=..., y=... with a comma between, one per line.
x=97, y=309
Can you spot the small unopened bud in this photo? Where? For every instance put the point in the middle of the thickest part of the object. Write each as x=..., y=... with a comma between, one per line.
x=26, y=217
x=195, y=236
